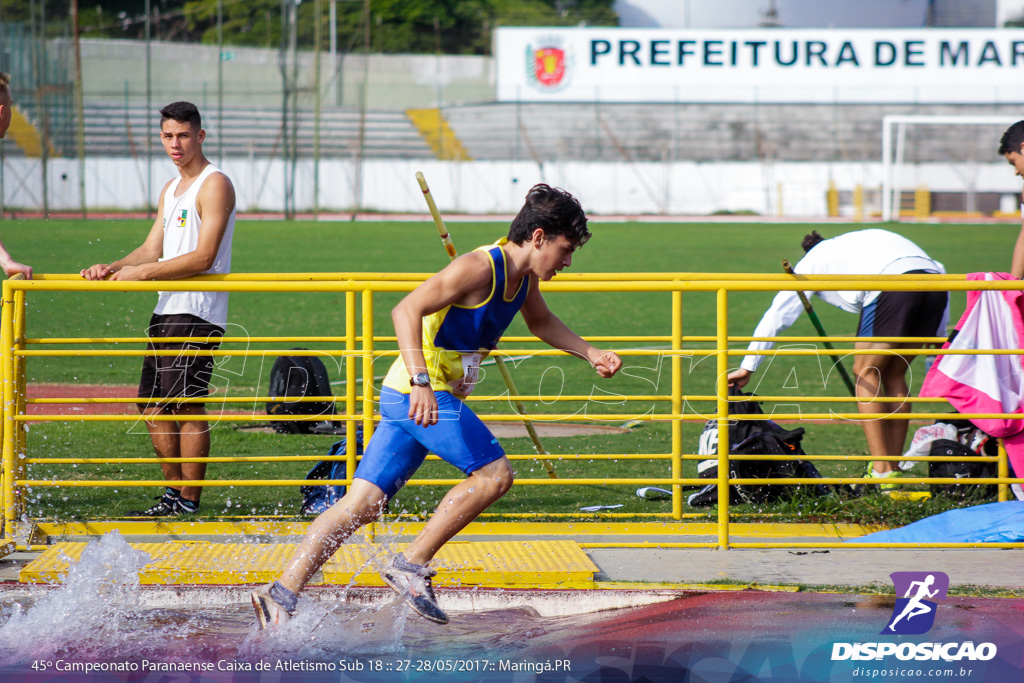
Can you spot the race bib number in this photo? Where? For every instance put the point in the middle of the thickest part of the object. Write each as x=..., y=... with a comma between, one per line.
x=470, y=374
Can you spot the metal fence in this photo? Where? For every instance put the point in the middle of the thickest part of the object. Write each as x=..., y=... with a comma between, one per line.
x=361, y=344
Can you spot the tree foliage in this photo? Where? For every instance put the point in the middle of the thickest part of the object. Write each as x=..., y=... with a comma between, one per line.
x=410, y=26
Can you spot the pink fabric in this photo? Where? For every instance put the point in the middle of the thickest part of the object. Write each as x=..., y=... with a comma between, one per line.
x=1015, y=452
x=961, y=389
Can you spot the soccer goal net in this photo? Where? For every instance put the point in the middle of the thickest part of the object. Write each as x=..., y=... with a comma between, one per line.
x=952, y=158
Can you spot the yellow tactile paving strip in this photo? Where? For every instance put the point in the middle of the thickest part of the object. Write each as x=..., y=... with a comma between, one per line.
x=522, y=564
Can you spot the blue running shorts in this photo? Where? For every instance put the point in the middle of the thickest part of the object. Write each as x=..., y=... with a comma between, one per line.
x=399, y=445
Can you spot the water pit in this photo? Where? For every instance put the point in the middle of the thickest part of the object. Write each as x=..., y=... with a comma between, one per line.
x=102, y=617
x=101, y=613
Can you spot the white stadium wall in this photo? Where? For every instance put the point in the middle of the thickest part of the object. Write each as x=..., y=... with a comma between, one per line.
x=611, y=114
x=790, y=189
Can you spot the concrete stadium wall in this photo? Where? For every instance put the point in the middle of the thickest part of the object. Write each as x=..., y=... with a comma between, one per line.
x=114, y=70
x=681, y=188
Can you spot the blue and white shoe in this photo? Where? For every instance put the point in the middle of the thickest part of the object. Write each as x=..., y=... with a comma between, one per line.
x=413, y=582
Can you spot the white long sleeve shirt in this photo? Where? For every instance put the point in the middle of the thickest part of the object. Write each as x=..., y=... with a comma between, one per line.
x=863, y=252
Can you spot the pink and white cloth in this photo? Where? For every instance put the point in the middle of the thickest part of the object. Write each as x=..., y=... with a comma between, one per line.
x=987, y=383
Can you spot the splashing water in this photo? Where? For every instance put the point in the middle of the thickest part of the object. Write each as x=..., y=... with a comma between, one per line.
x=97, y=613
x=93, y=609
x=102, y=613
x=320, y=632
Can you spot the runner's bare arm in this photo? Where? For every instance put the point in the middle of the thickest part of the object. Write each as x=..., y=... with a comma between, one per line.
x=1017, y=265
x=462, y=280
x=550, y=329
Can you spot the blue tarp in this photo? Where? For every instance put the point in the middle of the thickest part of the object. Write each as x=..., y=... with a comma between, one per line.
x=992, y=523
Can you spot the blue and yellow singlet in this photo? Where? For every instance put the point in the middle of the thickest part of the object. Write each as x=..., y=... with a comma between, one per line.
x=457, y=338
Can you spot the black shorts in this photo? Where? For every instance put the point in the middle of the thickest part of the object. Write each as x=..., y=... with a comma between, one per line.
x=169, y=377
x=904, y=314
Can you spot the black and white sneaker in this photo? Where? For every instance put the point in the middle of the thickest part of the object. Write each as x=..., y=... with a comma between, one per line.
x=171, y=504
x=413, y=582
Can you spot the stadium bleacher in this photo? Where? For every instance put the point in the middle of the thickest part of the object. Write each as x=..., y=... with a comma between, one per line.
x=566, y=131
x=115, y=130
x=711, y=132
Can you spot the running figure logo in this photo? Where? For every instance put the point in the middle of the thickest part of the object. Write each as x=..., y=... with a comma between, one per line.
x=914, y=613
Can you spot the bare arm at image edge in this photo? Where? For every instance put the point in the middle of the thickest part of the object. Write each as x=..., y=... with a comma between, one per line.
x=1017, y=265
x=12, y=267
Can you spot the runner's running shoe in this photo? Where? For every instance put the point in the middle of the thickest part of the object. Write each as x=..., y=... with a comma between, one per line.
x=413, y=582
x=269, y=612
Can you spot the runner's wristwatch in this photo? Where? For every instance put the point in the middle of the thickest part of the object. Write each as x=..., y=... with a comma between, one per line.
x=420, y=379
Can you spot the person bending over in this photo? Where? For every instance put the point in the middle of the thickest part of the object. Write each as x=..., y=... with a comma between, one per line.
x=882, y=314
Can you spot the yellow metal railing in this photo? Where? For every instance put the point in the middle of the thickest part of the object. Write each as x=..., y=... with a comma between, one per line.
x=360, y=339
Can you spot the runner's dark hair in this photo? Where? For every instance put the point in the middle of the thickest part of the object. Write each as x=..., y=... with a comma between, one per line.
x=553, y=210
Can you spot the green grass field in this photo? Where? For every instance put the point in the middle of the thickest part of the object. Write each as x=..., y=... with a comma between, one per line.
x=68, y=246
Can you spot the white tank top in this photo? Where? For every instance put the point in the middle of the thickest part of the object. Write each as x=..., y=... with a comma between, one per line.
x=181, y=236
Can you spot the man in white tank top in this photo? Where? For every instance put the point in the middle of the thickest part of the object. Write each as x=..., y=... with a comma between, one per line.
x=9, y=265
x=1011, y=146
x=191, y=236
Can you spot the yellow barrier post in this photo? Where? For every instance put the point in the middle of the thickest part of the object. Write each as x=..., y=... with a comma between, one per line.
x=677, y=403
x=20, y=393
x=350, y=384
x=722, y=393
x=832, y=199
x=368, y=394
x=858, y=203
x=922, y=202
x=1003, y=472
x=7, y=360
x=371, y=529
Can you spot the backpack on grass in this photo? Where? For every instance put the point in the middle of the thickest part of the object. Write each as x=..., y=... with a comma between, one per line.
x=316, y=499
x=753, y=437
x=971, y=444
x=294, y=377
